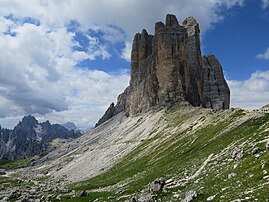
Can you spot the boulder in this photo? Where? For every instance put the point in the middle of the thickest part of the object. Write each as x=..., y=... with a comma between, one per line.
x=156, y=186
x=255, y=150
x=190, y=196
x=3, y=172
x=83, y=193
x=232, y=175
x=237, y=154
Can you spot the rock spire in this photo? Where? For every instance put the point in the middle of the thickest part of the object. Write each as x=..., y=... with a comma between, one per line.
x=168, y=67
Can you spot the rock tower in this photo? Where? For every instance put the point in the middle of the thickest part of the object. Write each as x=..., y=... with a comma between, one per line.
x=168, y=67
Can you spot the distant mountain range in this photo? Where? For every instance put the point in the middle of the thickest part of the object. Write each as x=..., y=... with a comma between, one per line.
x=30, y=138
x=70, y=126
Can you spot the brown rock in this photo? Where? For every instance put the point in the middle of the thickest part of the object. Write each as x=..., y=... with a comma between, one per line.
x=168, y=68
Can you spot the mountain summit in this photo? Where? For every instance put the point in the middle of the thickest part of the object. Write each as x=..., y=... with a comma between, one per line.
x=30, y=138
x=168, y=67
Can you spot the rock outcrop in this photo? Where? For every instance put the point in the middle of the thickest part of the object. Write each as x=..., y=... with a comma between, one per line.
x=216, y=91
x=30, y=138
x=168, y=67
x=122, y=105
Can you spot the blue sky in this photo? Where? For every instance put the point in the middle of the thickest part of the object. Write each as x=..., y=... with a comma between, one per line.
x=239, y=38
x=67, y=60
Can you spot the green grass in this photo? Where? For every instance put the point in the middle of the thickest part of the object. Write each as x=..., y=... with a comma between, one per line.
x=182, y=153
x=6, y=164
x=9, y=182
x=102, y=196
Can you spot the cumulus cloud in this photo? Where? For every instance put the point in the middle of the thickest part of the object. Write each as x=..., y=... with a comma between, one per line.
x=252, y=93
x=264, y=55
x=118, y=19
x=38, y=75
x=265, y=4
x=126, y=53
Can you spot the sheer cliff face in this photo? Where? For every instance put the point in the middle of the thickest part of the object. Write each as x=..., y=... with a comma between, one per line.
x=216, y=90
x=168, y=67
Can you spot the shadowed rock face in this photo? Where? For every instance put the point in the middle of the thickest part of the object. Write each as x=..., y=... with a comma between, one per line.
x=30, y=138
x=216, y=90
x=168, y=67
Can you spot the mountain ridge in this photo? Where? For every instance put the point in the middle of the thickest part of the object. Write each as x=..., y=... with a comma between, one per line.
x=30, y=138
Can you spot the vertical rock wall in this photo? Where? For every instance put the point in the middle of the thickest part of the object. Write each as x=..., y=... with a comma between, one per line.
x=168, y=67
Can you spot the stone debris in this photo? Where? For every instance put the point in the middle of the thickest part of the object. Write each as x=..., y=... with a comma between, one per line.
x=156, y=186
x=267, y=145
x=210, y=198
x=237, y=154
x=232, y=175
x=3, y=172
x=190, y=196
x=256, y=150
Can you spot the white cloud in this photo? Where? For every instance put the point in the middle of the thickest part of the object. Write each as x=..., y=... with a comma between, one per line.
x=264, y=55
x=252, y=93
x=111, y=17
x=37, y=76
x=265, y=4
x=126, y=52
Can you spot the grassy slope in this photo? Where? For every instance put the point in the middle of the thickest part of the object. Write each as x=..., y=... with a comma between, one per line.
x=9, y=164
x=179, y=150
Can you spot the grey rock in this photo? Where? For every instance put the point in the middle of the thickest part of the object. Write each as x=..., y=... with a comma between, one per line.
x=237, y=154
x=232, y=175
x=14, y=194
x=83, y=193
x=156, y=186
x=255, y=150
x=210, y=198
x=70, y=126
x=30, y=138
x=147, y=198
x=32, y=192
x=190, y=196
x=215, y=88
x=108, y=114
x=5, y=199
x=58, y=197
x=122, y=105
x=2, y=172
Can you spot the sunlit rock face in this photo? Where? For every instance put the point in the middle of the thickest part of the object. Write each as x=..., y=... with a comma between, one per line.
x=168, y=67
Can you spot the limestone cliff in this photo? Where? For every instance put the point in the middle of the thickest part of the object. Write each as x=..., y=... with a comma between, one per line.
x=168, y=67
x=216, y=90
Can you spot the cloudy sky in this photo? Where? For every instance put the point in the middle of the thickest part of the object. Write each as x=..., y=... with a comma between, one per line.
x=67, y=60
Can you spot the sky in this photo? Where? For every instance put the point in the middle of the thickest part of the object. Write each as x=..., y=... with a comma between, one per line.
x=67, y=60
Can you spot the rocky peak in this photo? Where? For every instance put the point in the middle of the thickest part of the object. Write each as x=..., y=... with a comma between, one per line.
x=171, y=21
x=191, y=24
x=30, y=138
x=216, y=90
x=168, y=67
x=29, y=121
